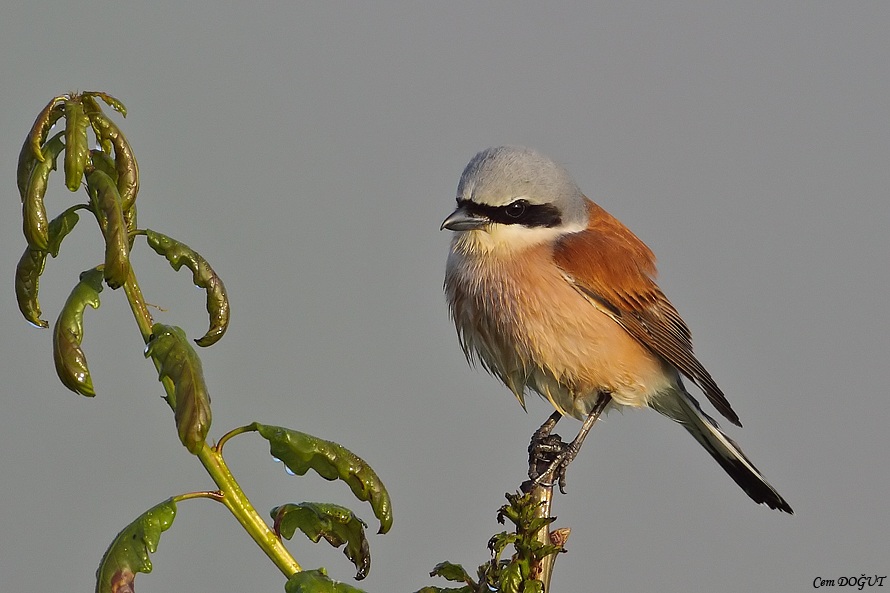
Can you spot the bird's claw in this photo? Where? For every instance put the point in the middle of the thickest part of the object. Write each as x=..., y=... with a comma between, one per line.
x=556, y=466
x=548, y=458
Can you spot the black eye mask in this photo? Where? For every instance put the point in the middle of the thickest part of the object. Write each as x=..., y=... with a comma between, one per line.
x=518, y=212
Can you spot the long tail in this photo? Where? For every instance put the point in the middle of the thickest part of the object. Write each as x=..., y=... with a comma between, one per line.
x=681, y=407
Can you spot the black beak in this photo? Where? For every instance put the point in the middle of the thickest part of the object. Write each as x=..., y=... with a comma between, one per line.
x=463, y=220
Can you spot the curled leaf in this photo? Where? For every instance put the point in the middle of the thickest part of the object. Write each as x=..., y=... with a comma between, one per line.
x=107, y=202
x=24, y=166
x=59, y=227
x=34, y=220
x=27, y=280
x=130, y=223
x=124, y=161
x=46, y=119
x=32, y=263
x=177, y=360
x=179, y=254
x=512, y=579
x=301, y=452
x=112, y=102
x=71, y=363
x=452, y=572
x=76, y=143
x=101, y=160
x=317, y=581
x=336, y=524
x=129, y=553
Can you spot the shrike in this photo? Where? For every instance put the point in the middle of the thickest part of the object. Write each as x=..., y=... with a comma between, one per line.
x=552, y=294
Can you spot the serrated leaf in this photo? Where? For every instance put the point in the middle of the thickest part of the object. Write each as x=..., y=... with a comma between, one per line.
x=511, y=579
x=70, y=361
x=179, y=254
x=336, y=524
x=77, y=146
x=176, y=359
x=34, y=221
x=23, y=168
x=451, y=572
x=130, y=222
x=46, y=119
x=27, y=283
x=301, y=452
x=501, y=540
x=536, y=524
x=317, y=581
x=129, y=553
x=107, y=204
x=112, y=102
x=102, y=161
x=31, y=265
x=124, y=161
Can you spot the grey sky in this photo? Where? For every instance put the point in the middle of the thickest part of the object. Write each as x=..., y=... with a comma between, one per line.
x=310, y=152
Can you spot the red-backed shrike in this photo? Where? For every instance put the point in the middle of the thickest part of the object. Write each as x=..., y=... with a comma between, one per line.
x=554, y=295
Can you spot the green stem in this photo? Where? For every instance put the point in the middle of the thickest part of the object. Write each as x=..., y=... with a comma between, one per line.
x=232, y=433
x=140, y=312
x=239, y=505
x=231, y=494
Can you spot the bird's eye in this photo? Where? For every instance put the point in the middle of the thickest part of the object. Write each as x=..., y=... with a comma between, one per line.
x=516, y=209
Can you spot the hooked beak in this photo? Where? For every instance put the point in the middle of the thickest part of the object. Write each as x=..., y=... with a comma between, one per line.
x=463, y=220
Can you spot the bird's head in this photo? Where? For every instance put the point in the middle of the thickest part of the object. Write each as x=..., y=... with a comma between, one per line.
x=510, y=198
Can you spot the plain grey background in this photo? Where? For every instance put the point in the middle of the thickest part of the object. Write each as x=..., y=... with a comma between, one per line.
x=310, y=152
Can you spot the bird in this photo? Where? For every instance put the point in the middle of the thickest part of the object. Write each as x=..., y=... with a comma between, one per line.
x=553, y=295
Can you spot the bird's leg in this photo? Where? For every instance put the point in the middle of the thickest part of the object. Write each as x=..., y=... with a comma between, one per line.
x=561, y=460
x=543, y=449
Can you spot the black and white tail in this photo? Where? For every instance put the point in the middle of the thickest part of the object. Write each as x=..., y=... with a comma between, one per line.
x=681, y=407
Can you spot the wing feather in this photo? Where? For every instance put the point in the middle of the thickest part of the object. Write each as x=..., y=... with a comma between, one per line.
x=612, y=267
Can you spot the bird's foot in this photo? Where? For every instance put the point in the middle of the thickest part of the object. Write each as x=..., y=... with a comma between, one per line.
x=545, y=454
x=551, y=462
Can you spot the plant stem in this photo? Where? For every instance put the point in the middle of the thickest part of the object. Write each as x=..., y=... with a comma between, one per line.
x=239, y=505
x=542, y=500
x=232, y=496
x=140, y=310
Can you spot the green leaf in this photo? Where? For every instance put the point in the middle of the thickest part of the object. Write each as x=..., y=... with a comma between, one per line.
x=336, y=524
x=59, y=227
x=109, y=100
x=130, y=222
x=178, y=361
x=35, y=225
x=511, y=578
x=23, y=168
x=71, y=363
x=101, y=160
x=46, y=119
x=301, y=452
x=452, y=572
x=179, y=254
x=27, y=283
x=124, y=161
x=317, y=581
x=107, y=203
x=77, y=146
x=129, y=553
x=446, y=590
x=32, y=263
